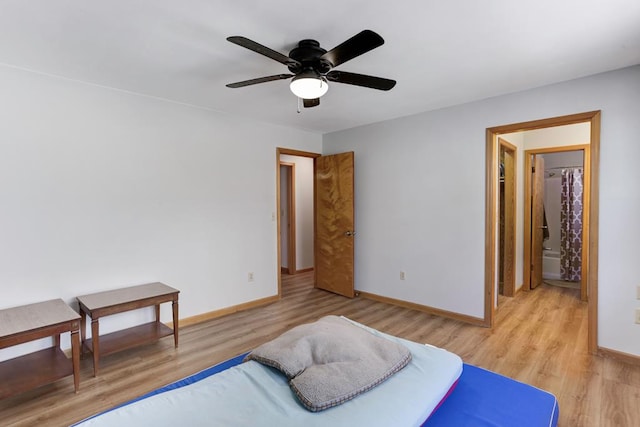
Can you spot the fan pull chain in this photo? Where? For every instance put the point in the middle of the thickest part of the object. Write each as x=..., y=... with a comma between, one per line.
x=299, y=102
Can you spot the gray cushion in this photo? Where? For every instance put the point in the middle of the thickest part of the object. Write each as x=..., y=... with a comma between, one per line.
x=331, y=361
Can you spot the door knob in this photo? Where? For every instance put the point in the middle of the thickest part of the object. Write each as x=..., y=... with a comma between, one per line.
x=349, y=233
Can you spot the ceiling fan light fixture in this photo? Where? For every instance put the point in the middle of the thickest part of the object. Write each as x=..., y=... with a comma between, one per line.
x=309, y=86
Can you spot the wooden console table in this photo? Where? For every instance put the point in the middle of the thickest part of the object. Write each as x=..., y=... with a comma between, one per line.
x=126, y=299
x=31, y=322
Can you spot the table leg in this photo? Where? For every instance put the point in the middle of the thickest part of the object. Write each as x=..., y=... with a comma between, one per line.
x=75, y=357
x=83, y=329
x=174, y=306
x=95, y=338
x=157, y=313
x=56, y=340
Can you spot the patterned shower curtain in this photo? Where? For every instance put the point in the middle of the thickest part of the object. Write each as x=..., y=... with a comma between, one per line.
x=571, y=225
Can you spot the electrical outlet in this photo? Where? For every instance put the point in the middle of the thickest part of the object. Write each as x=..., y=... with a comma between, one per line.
x=638, y=315
x=250, y=276
x=402, y=277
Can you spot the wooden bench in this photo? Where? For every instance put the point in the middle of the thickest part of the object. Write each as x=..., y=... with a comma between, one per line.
x=125, y=299
x=31, y=322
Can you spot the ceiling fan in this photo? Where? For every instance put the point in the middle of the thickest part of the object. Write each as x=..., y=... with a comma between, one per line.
x=311, y=66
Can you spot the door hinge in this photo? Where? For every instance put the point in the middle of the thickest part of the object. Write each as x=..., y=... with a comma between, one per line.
x=533, y=169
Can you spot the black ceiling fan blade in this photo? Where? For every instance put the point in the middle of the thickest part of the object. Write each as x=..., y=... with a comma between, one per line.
x=360, y=80
x=259, y=80
x=308, y=103
x=262, y=50
x=361, y=43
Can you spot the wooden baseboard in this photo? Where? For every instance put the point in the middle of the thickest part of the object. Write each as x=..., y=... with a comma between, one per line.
x=431, y=310
x=304, y=270
x=187, y=321
x=619, y=355
x=284, y=270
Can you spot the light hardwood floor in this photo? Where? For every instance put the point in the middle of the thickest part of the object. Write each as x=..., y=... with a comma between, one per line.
x=540, y=339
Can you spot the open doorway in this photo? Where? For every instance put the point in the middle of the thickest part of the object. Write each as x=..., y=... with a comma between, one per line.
x=295, y=217
x=590, y=228
x=288, y=218
x=558, y=219
x=296, y=213
x=330, y=217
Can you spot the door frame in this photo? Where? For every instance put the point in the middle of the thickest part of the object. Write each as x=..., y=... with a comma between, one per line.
x=491, y=186
x=508, y=263
x=584, y=292
x=291, y=152
x=291, y=215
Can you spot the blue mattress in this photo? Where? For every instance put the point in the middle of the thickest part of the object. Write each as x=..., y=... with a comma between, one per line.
x=484, y=398
x=481, y=398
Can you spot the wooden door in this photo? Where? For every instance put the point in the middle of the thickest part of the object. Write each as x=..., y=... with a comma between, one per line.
x=334, y=223
x=537, y=219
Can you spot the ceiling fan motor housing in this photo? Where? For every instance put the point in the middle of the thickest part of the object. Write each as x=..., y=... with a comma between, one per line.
x=308, y=54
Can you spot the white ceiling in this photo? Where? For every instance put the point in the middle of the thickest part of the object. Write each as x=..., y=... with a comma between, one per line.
x=441, y=53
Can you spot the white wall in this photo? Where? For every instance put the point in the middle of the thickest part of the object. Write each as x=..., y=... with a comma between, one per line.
x=102, y=189
x=558, y=136
x=555, y=162
x=420, y=198
x=304, y=209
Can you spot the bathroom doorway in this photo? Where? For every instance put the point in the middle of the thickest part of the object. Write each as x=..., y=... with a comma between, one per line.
x=557, y=233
